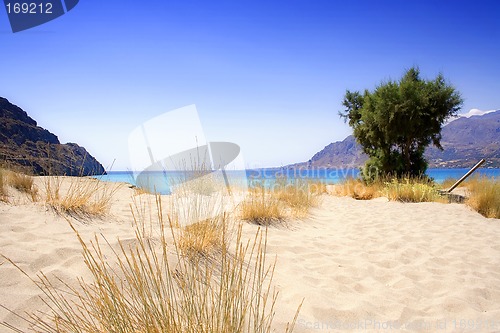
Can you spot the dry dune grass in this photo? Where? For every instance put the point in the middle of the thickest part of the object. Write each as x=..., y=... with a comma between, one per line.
x=358, y=190
x=204, y=238
x=447, y=183
x=298, y=195
x=21, y=182
x=267, y=205
x=3, y=187
x=262, y=207
x=484, y=196
x=83, y=197
x=165, y=281
x=404, y=190
x=413, y=190
x=484, y=193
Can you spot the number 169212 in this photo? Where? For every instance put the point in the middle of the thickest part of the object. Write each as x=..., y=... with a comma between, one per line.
x=29, y=8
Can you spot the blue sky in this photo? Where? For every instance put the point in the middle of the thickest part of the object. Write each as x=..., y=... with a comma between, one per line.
x=267, y=75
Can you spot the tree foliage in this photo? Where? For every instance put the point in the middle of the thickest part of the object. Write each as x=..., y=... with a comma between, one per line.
x=399, y=119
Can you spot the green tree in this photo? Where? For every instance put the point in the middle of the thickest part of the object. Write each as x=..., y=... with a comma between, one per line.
x=398, y=120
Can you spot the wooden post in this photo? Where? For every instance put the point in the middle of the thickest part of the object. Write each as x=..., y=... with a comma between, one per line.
x=466, y=175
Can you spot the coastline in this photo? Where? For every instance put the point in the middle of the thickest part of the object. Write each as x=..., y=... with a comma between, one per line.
x=326, y=175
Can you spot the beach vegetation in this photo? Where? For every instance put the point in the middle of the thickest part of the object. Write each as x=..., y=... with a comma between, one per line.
x=77, y=196
x=149, y=284
x=204, y=238
x=262, y=207
x=413, y=190
x=298, y=195
x=448, y=182
x=283, y=198
x=358, y=189
x=23, y=183
x=3, y=187
x=484, y=196
x=19, y=181
x=396, y=121
x=406, y=189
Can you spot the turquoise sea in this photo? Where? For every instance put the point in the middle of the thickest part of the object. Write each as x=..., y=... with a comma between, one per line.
x=329, y=176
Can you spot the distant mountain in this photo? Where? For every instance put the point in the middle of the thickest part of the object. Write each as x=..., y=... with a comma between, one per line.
x=26, y=146
x=340, y=154
x=465, y=142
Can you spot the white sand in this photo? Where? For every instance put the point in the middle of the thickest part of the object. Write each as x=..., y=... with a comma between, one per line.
x=359, y=265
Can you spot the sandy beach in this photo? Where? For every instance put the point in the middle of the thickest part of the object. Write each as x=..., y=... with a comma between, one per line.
x=366, y=266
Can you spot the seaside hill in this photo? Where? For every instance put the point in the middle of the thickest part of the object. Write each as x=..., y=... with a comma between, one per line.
x=30, y=148
x=465, y=141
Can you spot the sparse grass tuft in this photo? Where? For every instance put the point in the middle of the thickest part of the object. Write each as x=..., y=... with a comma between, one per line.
x=413, y=190
x=3, y=188
x=262, y=207
x=484, y=196
x=298, y=195
x=204, y=238
x=141, y=191
x=79, y=197
x=23, y=183
x=448, y=182
x=317, y=187
x=271, y=204
x=404, y=190
x=358, y=189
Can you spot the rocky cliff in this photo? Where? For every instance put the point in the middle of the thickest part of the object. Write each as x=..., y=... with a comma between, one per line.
x=27, y=147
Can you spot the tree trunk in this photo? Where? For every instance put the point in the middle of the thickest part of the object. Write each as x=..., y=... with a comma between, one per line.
x=406, y=156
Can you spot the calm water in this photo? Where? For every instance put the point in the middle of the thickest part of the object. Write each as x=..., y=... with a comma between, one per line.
x=330, y=176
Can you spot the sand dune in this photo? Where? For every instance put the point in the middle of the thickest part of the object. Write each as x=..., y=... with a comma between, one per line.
x=359, y=265
x=373, y=264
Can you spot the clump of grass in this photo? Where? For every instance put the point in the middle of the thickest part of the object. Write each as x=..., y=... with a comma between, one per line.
x=204, y=183
x=141, y=190
x=204, y=238
x=484, y=196
x=316, y=187
x=150, y=286
x=358, y=189
x=3, y=188
x=23, y=183
x=282, y=199
x=413, y=190
x=298, y=195
x=81, y=197
x=262, y=207
x=396, y=189
x=448, y=182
